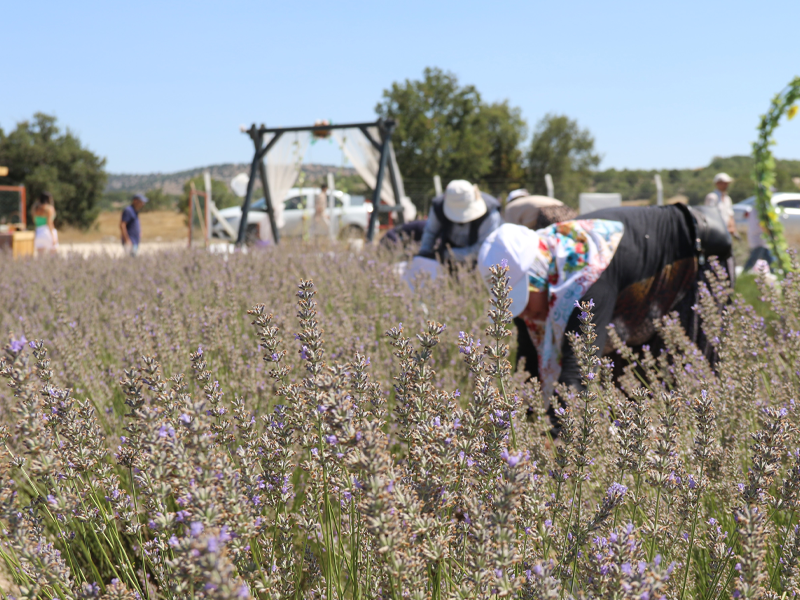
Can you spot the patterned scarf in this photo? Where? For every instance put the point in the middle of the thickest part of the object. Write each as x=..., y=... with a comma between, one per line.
x=573, y=256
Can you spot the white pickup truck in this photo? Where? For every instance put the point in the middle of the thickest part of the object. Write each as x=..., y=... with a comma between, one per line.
x=349, y=220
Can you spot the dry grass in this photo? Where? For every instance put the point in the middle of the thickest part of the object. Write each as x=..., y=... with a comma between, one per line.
x=157, y=226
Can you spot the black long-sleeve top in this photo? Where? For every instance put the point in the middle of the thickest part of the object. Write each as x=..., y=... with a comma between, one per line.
x=653, y=267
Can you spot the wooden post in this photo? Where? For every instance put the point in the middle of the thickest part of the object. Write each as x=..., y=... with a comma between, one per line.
x=207, y=220
x=23, y=221
x=191, y=206
x=659, y=190
x=332, y=207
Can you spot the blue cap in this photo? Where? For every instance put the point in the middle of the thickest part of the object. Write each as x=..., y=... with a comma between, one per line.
x=141, y=197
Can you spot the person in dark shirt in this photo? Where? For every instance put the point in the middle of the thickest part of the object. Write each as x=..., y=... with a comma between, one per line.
x=129, y=225
x=402, y=235
x=458, y=222
x=636, y=264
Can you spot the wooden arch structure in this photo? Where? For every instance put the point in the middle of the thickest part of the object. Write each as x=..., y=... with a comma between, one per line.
x=257, y=168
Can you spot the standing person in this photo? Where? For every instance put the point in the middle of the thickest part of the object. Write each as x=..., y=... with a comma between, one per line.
x=756, y=240
x=458, y=223
x=129, y=225
x=637, y=264
x=44, y=214
x=722, y=200
x=321, y=225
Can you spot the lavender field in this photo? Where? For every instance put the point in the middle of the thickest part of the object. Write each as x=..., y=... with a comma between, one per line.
x=195, y=426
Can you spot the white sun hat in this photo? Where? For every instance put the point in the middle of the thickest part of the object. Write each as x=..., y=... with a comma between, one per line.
x=463, y=202
x=519, y=247
x=724, y=177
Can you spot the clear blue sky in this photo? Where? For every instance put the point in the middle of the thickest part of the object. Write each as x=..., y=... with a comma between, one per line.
x=163, y=86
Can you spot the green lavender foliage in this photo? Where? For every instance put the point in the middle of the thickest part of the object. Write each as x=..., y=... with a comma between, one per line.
x=764, y=169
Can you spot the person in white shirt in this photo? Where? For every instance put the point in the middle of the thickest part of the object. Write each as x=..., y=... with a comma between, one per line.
x=756, y=240
x=722, y=200
x=321, y=224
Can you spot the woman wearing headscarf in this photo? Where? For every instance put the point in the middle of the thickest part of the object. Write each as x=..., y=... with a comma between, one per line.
x=536, y=212
x=636, y=264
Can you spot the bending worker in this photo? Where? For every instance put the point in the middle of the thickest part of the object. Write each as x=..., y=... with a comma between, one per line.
x=536, y=212
x=636, y=264
x=459, y=222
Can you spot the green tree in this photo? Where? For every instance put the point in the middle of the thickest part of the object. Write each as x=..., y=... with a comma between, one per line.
x=221, y=194
x=565, y=151
x=507, y=131
x=445, y=129
x=158, y=200
x=43, y=158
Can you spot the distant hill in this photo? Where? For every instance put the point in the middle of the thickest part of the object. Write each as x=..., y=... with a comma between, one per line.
x=172, y=183
x=689, y=184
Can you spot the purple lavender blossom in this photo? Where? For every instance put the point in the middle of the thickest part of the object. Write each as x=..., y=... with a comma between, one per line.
x=18, y=345
x=511, y=459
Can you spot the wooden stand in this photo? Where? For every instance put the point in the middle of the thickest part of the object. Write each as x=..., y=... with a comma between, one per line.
x=23, y=243
x=20, y=243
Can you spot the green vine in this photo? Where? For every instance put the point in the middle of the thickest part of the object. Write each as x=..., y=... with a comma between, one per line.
x=764, y=170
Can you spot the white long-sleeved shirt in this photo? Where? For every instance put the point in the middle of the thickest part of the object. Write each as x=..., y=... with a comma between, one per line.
x=723, y=202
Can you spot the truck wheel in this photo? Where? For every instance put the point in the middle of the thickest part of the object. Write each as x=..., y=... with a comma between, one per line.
x=351, y=232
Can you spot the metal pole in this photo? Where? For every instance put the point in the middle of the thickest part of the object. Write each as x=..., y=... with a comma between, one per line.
x=548, y=181
x=387, y=127
x=659, y=190
x=257, y=141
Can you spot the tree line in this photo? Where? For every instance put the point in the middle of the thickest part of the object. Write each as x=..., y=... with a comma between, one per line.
x=443, y=128
x=447, y=129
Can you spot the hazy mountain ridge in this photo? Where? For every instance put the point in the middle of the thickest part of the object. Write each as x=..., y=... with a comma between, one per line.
x=172, y=183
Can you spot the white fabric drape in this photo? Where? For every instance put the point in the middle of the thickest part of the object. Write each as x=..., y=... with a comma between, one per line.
x=366, y=160
x=284, y=161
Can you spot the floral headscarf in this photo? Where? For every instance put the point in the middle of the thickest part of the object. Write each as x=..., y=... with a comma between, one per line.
x=573, y=255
